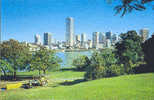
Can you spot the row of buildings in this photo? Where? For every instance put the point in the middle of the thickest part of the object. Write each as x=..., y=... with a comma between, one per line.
x=99, y=39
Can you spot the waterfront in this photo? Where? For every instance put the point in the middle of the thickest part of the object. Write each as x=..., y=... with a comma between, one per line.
x=67, y=57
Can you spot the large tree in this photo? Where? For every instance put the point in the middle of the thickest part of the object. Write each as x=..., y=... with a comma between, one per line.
x=128, y=50
x=5, y=68
x=103, y=64
x=15, y=53
x=44, y=59
x=148, y=49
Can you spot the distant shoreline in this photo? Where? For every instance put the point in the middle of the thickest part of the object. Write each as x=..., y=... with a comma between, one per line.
x=77, y=50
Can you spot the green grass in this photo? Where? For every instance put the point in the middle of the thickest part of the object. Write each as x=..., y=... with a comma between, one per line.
x=127, y=87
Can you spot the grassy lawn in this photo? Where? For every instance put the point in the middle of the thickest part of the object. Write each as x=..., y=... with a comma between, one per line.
x=127, y=87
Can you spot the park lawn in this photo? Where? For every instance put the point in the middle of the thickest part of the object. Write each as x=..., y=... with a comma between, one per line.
x=126, y=87
x=55, y=74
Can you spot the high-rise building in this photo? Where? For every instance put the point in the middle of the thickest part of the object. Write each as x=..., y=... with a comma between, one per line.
x=114, y=38
x=108, y=43
x=78, y=38
x=37, y=39
x=109, y=35
x=83, y=39
x=47, y=39
x=100, y=38
x=95, y=40
x=70, y=31
x=89, y=43
x=144, y=34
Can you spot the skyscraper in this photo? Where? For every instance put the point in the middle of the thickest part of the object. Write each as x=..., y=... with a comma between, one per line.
x=37, y=39
x=114, y=38
x=47, y=39
x=100, y=38
x=78, y=38
x=83, y=39
x=108, y=43
x=144, y=34
x=95, y=39
x=108, y=35
x=70, y=31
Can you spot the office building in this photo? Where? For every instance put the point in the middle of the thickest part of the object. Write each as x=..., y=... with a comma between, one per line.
x=95, y=39
x=83, y=39
x=108, y=43
x=78, y=38
x=47, y=39
x=114, y=39
x=109, y=35
x=70, y=31
x=89, y=42
x=144, y=34
x=37, y=39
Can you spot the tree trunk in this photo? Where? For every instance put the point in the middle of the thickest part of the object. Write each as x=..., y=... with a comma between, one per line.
x=4, y=74
x=39, y=72
x=44, y=72
x=14, y=75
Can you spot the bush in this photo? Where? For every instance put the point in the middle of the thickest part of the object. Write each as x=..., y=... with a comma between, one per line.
x=103, y=64
x=115, y=70
x=81, y=63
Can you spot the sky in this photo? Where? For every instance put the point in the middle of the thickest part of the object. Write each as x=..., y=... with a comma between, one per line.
x=22, y=19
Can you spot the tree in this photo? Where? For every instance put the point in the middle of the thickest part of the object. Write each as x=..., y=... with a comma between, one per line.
x=148, y=49
x=103, y=64
x=15, y=54
x=81, y=62
x=128, y=50
x=5, y=67
x=96, y=69
x=44, y=59
x=128, y=6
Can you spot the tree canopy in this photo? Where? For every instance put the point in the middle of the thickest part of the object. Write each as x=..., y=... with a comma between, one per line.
x=44, y=59
x=129, y=50
x=148, y=49
x=15, y=54
x=127, y=6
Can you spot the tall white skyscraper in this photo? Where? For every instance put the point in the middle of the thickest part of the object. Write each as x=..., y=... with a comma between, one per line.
x=95, y=39
x=144, y=34
x=70, y=31
x=37, y=39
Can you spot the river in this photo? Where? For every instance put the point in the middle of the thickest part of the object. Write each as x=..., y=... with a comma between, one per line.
x=67, y=57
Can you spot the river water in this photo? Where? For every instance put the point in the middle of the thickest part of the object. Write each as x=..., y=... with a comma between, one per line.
x=67, y=57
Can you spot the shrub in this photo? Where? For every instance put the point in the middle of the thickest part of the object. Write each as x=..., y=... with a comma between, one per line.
x=81, y=63
x=115, y=70
x=103, y=65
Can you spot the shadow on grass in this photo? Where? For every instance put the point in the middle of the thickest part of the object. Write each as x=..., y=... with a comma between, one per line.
x=68, y=69
x=69, y=83
x=71, y=69
x=143, y=68
x=18, y=77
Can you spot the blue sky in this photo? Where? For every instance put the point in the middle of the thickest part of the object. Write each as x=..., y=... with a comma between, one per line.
x=22, y=19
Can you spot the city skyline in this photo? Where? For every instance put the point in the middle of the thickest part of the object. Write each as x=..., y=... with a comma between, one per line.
x=36, y=18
